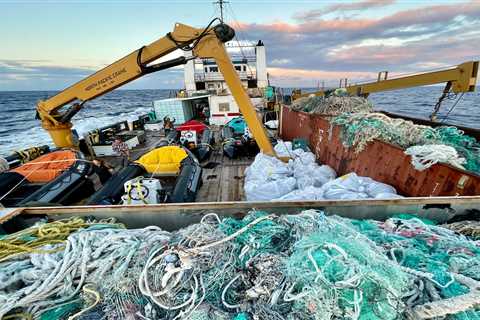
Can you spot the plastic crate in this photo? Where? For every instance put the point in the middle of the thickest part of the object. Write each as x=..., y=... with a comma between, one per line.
x=181, y=110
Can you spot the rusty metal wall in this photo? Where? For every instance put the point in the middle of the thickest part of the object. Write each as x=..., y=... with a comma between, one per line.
x=381, y=161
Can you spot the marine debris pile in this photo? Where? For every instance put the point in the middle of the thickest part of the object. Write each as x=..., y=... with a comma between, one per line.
x=269, y=178
x=332, y=105
x=264, y=266
x=360, y=129
x=427, y=145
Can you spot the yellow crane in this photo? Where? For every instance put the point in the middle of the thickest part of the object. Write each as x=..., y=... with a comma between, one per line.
x=204, y=43
x=459, y=79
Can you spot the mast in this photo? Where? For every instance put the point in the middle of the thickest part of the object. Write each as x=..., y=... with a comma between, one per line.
x=220, y=4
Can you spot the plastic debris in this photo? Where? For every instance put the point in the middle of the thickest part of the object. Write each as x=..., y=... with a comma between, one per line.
x=261, y=190
x=468, y=228
x=332, y=105
x=283, y=148
x=301, y=266
x=272, y=124
x=423, y=157
x=358, y=130
x=303, y=178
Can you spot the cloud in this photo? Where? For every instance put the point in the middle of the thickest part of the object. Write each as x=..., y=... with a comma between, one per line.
x=45, y=75
x=342, y=7
x=279, y=62
x=287, y=77
x=404, y=41
x=320, y=45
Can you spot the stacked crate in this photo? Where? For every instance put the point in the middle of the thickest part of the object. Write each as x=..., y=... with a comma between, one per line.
x=179, y=109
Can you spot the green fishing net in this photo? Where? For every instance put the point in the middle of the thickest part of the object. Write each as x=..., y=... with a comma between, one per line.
x=332, y=105
x=419, y=246
x=62, y=311
x=282, y=267
x=360, y=129
x=466, y=146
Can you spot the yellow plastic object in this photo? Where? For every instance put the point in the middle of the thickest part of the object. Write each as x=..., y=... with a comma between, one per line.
x=164, y=160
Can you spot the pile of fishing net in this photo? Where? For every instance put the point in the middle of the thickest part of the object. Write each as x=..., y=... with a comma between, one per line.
x=302, y=178
x=332, y=105
x=470, y=228
x=302, y=266
x=358, y=130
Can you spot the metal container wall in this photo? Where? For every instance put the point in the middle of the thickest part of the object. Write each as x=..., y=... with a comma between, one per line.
x=379, y=160
x=173, y=216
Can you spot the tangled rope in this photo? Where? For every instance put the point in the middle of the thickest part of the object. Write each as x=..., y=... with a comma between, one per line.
x=468, y=228
x=30, y=240
x=423, y=157
x=301, y=266
x=332, y=105
x=103, y=255
x=358, y=130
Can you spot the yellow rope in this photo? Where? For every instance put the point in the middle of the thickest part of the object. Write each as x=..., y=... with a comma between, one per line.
x=56, y=232
x=21, y=316
x=97, y=300
x=49, y=233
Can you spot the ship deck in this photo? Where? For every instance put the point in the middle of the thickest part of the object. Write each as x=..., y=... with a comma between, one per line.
x=223, y=182
x=222, y=178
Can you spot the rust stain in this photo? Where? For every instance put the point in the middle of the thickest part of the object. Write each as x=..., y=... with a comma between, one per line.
x=381, y=161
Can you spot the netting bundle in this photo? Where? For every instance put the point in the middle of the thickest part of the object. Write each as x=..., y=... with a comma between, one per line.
x=335, y=273
x=332, y=105
x=466, y=146
x=360, y=129
x=303, y=266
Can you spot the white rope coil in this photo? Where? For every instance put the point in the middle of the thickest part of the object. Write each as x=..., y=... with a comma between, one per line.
x=423, y=157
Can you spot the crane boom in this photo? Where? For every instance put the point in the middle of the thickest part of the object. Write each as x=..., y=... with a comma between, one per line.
x=204, y=43
x=461, y=78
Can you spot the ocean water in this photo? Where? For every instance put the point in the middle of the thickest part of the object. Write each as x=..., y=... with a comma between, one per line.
x=19, y=129
x=419, y=102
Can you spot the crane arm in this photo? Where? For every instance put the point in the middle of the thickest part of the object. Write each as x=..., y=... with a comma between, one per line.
x=462, y=78
x=205, y=43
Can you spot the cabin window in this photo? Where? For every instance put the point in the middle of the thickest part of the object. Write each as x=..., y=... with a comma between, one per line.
x=225, y=106
x=244, y=68
x=206, y=69
x=238, y=68
x=213, y=69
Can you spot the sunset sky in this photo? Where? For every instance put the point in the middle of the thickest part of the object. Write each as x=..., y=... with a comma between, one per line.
x=48, y=45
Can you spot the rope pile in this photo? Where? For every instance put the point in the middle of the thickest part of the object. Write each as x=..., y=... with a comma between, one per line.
x=358, y=130
x=468, y=228
x=332, y=105
x=423, y=157
x=30, y=240
x=264, y=266
x=101, y=256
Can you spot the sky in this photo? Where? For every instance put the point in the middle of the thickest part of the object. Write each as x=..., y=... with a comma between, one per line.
x=49, y=45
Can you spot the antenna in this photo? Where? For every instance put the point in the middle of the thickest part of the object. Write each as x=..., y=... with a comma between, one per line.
x=220, y=4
